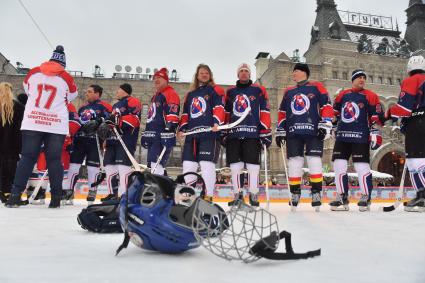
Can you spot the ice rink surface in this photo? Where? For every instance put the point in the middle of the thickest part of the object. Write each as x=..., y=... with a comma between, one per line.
x=47, y=245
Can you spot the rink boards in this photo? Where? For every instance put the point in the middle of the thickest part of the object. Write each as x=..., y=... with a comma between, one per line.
x=278, y=193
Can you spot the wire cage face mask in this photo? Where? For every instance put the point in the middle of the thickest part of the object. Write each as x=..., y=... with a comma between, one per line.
x=232, y=235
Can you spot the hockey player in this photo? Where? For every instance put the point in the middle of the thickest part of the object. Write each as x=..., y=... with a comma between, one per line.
x=411, y=107
x=203, y=107
x=243, y=142
x=125, y=118
x=41, y=167
x=49, y=87
x=85, y=145
x=304, y=121
x=162, y=122
x=358, y=112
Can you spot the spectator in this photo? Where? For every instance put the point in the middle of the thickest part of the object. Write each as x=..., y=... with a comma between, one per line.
x=11, y=113
x=49, y=87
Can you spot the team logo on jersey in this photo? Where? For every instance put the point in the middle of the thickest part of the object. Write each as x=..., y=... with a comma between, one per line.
x=87, y=115
x=300, y=104
x=240, y=103
x=198, y=107
x=350, y=112
x=151, y=113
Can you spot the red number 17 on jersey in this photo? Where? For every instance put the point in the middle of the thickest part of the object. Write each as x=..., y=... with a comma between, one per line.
x=51, y=90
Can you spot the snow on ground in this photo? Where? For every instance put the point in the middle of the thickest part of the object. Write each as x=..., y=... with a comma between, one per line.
x=47, y=245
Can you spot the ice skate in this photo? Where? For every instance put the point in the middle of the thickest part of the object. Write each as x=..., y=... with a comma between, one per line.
x=91, y=197
x=253, y=200
x=417, y=204
x=238, y=198
x=67, y=197
x=55, y=201
x=316, y=200
x=364, y=203
x=340, y=203
x=295, y=198
x=40, y=198
x=109, y=197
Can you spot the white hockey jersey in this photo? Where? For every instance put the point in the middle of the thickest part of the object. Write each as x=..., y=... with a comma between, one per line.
x=49, y=88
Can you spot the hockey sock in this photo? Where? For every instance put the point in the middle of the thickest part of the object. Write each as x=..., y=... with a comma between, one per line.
x=190, y=166
x=315, y=168
x=364, y=177
x=73, y=170
x=124, y=173
x=91, y=174
x=111, y=171
x=253, y=171
x=416, y=168
x=236, y=169
x=341, y=178
x=159, y=170
x=209, y=175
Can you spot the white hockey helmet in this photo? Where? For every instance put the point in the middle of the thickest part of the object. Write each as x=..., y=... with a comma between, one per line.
x=416, y=63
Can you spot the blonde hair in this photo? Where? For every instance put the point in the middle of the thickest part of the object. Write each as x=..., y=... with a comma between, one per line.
x=6, y=103
x=195, y=83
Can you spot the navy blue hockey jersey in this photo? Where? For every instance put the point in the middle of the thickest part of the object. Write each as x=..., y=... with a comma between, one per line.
x=202, y=108
x=163, y=113
x=240, y=97
x=303, y=107
x=356, y=110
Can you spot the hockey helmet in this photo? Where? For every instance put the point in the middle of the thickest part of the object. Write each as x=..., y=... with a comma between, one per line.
x=152, y=218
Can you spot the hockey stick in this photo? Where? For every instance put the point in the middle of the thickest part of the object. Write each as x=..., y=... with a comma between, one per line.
x=399, y=194
x=136, y=165
x=223, y=127
x=102, y=173
x=267, y=177
x=37, y=188
x=282, y=150
x=159, y=159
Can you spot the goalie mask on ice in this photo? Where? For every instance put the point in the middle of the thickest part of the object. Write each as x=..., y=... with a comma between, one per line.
x=157, y=213
x=243, y=233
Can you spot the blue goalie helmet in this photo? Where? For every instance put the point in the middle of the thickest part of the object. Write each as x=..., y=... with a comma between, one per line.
x=153, y=219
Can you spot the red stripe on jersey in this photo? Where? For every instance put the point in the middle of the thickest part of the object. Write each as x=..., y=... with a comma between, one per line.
x=107, y=106
x=172, y=118
x=69, y=81
x=319, y=87
x=219, y=90
x=265, y=119
x=131, y=120
x=400, y=111
x=184, y=119
x=134, y=103
x=281, y=116
x=171, y=96
x=218, y=113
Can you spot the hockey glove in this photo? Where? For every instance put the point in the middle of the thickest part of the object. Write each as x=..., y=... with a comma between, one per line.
x=266, y=137
x=375, y=138
x=168, y=139
x=280, y=137
x=103, y=131
x=91, y=126
x=324, y=130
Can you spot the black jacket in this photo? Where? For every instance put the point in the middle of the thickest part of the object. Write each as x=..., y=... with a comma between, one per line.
x=10, y=134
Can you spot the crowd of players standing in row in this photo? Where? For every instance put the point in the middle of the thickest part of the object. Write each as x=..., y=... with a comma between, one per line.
x=306, y=118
